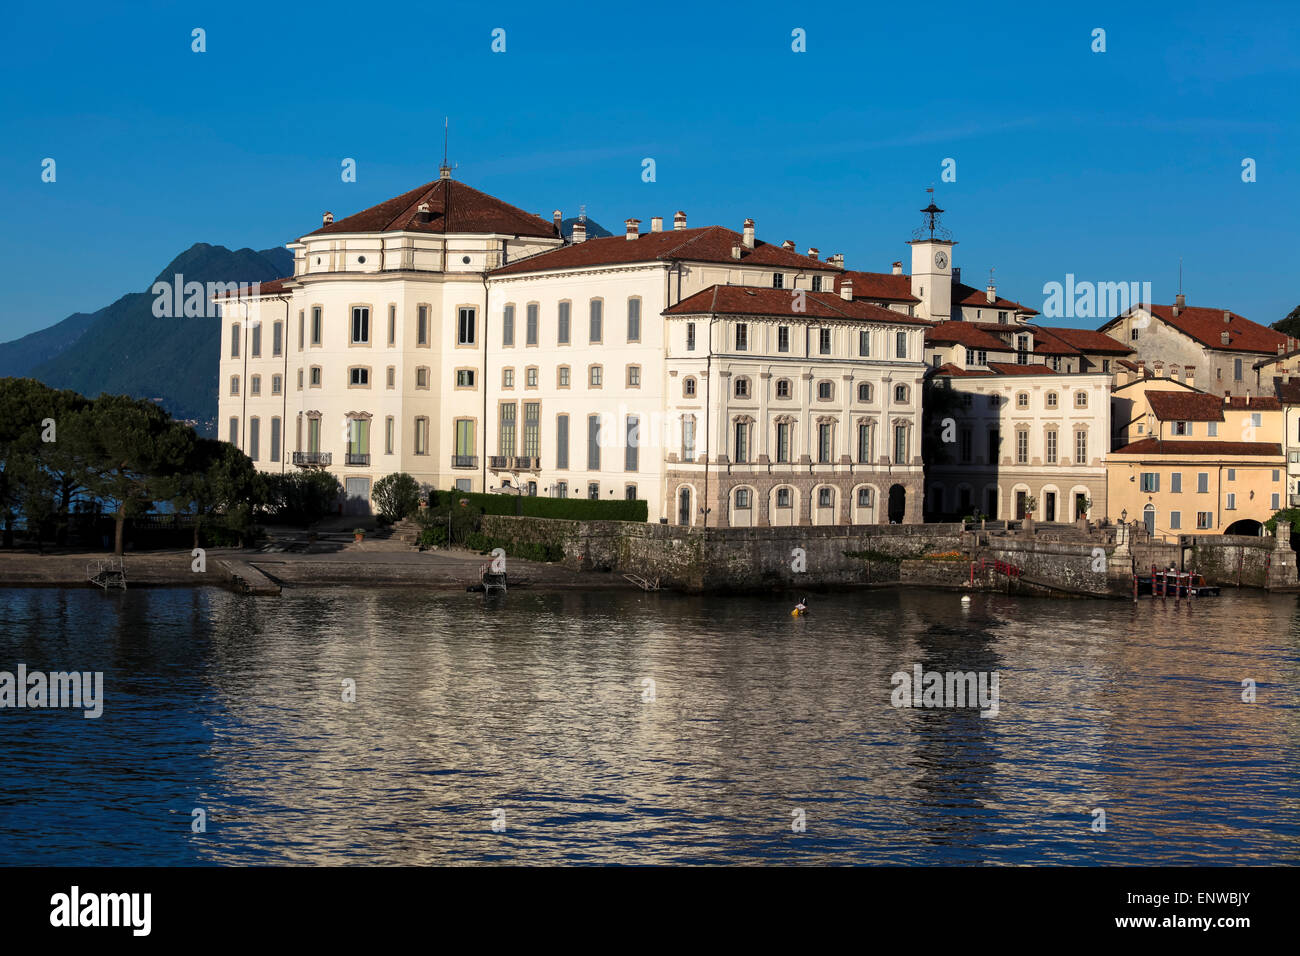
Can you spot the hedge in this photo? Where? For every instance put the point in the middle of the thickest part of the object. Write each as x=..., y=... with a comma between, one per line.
x=532, y=506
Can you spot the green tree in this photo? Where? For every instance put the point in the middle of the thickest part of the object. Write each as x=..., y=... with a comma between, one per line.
x=396, y=496
x=1291, y=324
x=219, y=485
x=302, y=497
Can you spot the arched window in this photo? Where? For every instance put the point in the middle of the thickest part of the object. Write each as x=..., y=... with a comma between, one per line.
x=742, y=498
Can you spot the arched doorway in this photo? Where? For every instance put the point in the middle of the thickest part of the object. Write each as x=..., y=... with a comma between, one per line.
x=897, y=504
x=684, y=506
x=1248, y=526
x=1149, y=518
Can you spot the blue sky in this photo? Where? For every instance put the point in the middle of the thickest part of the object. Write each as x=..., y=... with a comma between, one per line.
x=1108, y=165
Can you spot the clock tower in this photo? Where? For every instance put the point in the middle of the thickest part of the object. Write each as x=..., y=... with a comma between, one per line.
x=932, y=266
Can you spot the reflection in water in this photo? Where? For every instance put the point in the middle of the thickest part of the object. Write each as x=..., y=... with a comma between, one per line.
x=534, y=704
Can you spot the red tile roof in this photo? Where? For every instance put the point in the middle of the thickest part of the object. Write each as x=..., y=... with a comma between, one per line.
x=955, y=372
x=273, y=287
x=706, y=244
x=1185, y=406
x=1011, y=368
x=758, y=300
x=1201, y=449
x=1289, y=392
x=1206, y=326
x=454, y=208
x=883, y=286
x=963, y=294
x=1085, y=340
x=963, y=333
x=1263, y=403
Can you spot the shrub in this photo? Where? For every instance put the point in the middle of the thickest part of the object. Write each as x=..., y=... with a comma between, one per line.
x=396, y=496
x=572, y=509
x=302, y=497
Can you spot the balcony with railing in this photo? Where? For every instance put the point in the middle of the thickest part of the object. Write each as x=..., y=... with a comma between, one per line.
x=1295, y=501
x=526, y=463
x=357, y=458
x=312, y=459
x=464, y=461
x=499, y=462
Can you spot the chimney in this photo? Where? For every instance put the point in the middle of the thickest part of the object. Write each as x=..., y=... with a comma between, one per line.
x=656, y=223
x=1180, y=303
x=749, y=234
x=897, y=269
x=1280, y=347
x=1142, y=368
x=990, y=293
x=735, y=250
x=846, y=289
x=1159, y=369
x=679, y=220
x=1121, y=375
x=327, y=218
x=559, y=221
x=838, y=259
x=424, y=215
x=788, y=245
x=1189, y=376
x=633, y=227
x=579, y=231
x=444, y=171
x=1223, y=336
x=1227, y=317
x=814, y=252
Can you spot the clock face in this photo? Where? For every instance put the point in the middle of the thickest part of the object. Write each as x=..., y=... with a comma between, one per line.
x=941, y=259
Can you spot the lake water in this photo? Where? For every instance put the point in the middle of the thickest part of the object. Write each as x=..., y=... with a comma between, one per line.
x=537, y=706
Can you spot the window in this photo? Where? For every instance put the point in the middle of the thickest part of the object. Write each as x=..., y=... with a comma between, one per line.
x=900, y=394
x=690, y=336
x=824, y=341
x=1105, y=365
x=1051, y=446
x=1232, y=474
x=422, y=377
x=234, y=385
x=561, y=489
x=742, y=442
x=1204, y=520
x=530, y=377
x=313, y=433
x=275, y=440
x=1256, y=419
x=1149, y=482
x=562, y=441
x=634, y=376
x=634, y=319
x=255, y=385
x=1022, y=446
x=392, y=325
x=277, y=386
x=900, y=345
x=257, y=340
x=1080, y=399
x=300, y=380
x=967, y=443
x=422, y=326
x=1056, y=363
x=825, y=498
x=864, y=443
x=1175, y=520
x=1022, y=399
x=783, y=497
x=596, y=330
x=359, y=377
x=742, y=388
x=562, y=376
x=824, y=436
x=1081, y=447
x=629, y=492
x=234, y=340
x=234, y=431
x=1202, y=482
x=530, y=324
x=1276, y=475
x=422, y=436
x=277, y=339
x=742, y=499
x=783, y=338
x=302, y=325
x=742, y=336
x=864, y=497
x=508, y=326
x=532, y=430
x=465, y=378
x=466, y=445
x=358, y=441
x=1212, y=429
x=360, y=325
x=1232, y=497
x=688, y=388
x=317, y=324
x=1180, y=428
x=995, y=444
x=594, y=373
x=816, y=283
x=507, y=378
x=562, y=324
x=688, y=439
x=390, y=430
x=783, y=443
x=782, y=388
x=1176, y=483
x=864, y=392
x=1236, y=369
x=631, y=433
x=778, y=280
x=593, y=443
x=593, y=491
x=506, y=429
x=1051, y=399
x=1277, y=501
x=900, y=444
x=825, y=391
x=864, y=343
x=465, y=326
x=255, y=430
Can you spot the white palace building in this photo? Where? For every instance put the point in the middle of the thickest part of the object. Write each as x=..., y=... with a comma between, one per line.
x=449, y=335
